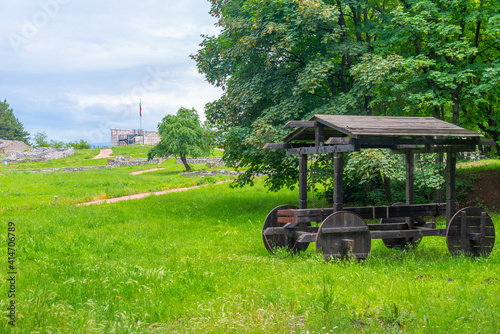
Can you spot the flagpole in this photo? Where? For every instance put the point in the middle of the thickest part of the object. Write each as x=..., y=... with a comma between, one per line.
x=140, y=117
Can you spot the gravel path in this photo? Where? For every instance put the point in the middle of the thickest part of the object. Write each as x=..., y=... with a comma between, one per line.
x=138, y=196
x=145, y=171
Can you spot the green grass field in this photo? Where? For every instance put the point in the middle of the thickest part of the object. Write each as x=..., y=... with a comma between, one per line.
x=194, y=262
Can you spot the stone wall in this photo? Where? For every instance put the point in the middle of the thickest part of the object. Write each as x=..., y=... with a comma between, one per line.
x=214, y=172
x=129, y=161
x=211, y=162
x=9, y=146
x=64, y=169
x=150, y=137
x=40, y=154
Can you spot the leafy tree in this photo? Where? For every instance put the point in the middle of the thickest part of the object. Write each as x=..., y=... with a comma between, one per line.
x=437, y=58
x=181, y=135
x=40, y=140
x=278, y=60
x=10, y=127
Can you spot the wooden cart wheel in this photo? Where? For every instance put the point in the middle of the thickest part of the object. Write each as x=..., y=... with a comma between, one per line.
x=401, y=243
x=279, y=240
x=343, y=234
x=471, y=232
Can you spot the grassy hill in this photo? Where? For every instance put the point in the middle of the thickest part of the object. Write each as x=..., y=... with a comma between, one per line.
x=194, y=262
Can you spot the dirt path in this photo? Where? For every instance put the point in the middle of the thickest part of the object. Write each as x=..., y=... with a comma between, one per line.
x=138, y=196
x=103, y=154
x=145, y=171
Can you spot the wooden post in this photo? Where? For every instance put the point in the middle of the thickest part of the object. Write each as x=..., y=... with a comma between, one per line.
x=437, y=192
x=410, y=183
x=319, y=135
x=303, y=181
x=410, y=186
x=451, y=165
x=337, y=181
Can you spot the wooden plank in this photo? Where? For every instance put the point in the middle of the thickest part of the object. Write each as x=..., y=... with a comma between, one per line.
x=433, y=149
x=409, y=233
x=321, y=149
x=273, y=146
x=340, y=141
x=373, y=212
x=340, y=230
x=388, y=226
x=301, y=124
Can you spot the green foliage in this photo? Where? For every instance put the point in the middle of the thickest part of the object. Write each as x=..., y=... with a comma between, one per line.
x=277, y=61
x=10, y=127
x=79, y=145
x=182, y=135
x=374, y=176
x=40, y=140
x=289, y=59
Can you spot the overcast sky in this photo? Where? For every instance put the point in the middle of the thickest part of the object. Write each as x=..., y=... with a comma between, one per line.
x=76, y=68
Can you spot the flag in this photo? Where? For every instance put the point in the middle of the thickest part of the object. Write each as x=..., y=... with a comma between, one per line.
x=140, y=109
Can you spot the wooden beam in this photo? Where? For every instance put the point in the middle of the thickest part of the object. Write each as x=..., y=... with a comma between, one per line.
x=339, y=141
x=273, y=146
x=337, y=181
x=421, y=232
x=366, y=212
x=303, y=181
x=301, y=124
x=319, y=135
x=402, y=149
x=321, y=149
x=410, y=183
x=410, y=186
x=451, y=165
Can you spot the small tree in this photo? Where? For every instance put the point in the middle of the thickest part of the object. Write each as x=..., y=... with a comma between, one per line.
x=10, y=127
x=181, y=135
x=40, y=140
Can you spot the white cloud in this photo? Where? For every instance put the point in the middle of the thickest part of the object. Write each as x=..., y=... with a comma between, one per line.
x=85, y=65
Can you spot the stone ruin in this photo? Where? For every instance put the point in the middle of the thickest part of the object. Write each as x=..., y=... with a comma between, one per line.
x=14, y=151
x=129, y=161
x=214, y=172
x=211, y=162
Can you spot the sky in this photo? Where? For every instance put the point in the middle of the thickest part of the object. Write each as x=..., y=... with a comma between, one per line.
x=74, y=69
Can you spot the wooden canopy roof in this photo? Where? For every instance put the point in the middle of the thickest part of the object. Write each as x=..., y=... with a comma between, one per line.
x=376, y=126
x=343, y=133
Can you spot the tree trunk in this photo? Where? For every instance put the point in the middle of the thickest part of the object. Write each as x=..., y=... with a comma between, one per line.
x=184, y=161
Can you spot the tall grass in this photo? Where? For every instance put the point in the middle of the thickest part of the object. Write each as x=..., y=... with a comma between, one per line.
x=194, y=262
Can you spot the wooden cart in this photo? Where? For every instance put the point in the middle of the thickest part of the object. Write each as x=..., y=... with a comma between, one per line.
x=343, y=231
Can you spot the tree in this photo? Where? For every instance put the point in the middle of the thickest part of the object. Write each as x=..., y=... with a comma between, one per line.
x=278, y=60
x=10, y=127
x=436, y=58
x=181, y=135
x=40, y=140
